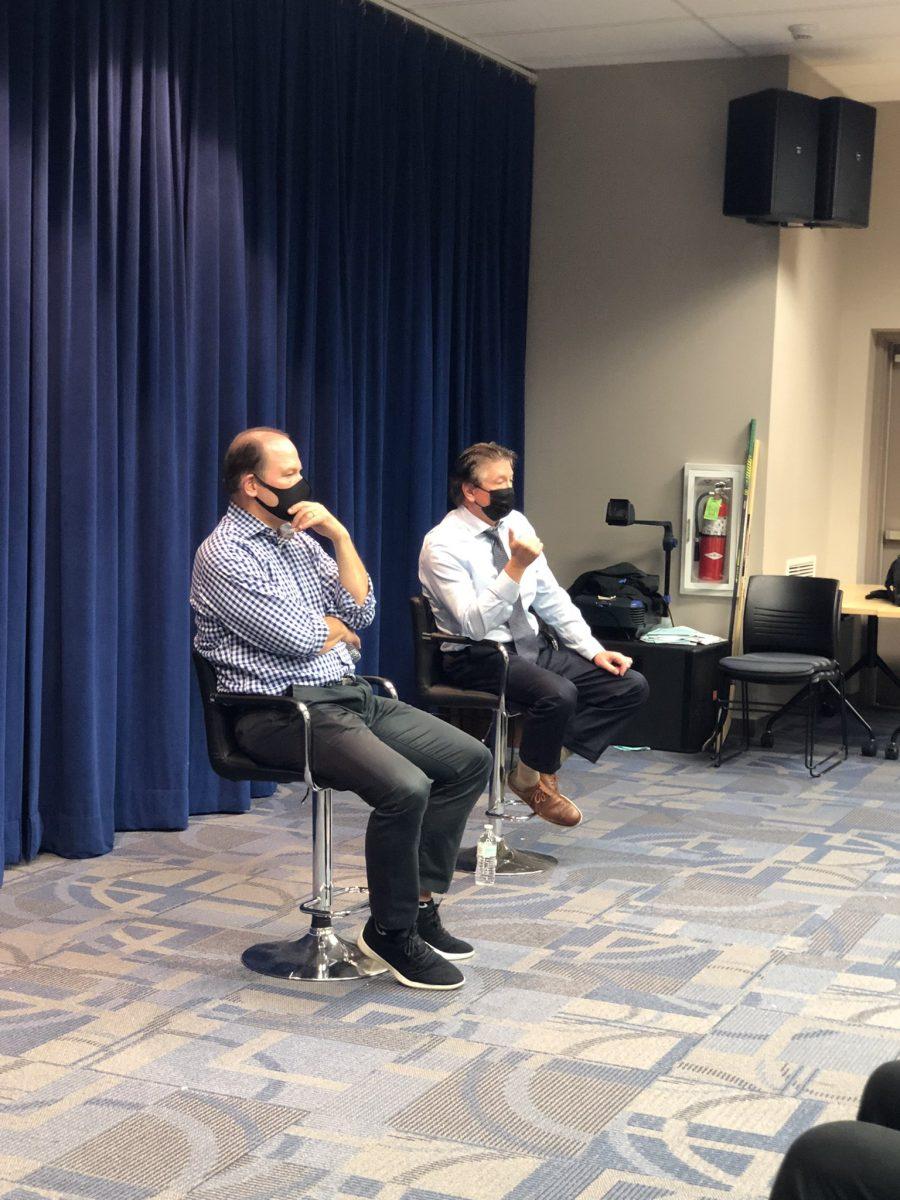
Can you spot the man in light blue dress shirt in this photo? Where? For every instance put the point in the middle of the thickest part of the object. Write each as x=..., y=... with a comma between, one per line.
x=485, y=575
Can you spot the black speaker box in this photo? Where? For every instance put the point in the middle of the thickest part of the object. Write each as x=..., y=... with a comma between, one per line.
x=846, y=144
x=770, y=164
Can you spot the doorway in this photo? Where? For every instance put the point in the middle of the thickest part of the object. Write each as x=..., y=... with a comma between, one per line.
x=883, y=541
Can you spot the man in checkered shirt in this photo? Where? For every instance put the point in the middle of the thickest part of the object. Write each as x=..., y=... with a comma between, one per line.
x=276, y=614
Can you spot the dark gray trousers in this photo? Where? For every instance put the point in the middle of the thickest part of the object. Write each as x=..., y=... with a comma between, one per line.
x=420, y=776
x=849, y=1160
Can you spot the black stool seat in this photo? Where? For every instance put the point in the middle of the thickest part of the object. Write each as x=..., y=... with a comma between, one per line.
x=445, y=696
x=774, y=667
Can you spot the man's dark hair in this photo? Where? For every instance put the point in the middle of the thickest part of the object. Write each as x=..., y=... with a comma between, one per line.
x=466, y=467
x=245, y=454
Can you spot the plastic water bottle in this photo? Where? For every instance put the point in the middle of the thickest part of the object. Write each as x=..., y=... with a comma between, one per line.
x=486, y=857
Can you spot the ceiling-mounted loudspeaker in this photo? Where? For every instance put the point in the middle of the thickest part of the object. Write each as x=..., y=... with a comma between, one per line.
x=846, y=145
x=770, y=164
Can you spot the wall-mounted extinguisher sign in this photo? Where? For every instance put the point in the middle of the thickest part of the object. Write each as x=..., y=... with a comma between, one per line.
x=710, y=522
x=712, y=533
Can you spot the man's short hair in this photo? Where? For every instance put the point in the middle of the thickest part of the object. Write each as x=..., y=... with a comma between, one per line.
x=246, y=454
x=467, y=466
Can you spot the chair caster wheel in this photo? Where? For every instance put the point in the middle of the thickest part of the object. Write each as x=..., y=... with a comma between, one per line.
x=767, y=741
x=891, y=751
x=869, y=749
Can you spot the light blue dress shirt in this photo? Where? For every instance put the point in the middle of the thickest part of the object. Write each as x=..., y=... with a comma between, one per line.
x=468, y=597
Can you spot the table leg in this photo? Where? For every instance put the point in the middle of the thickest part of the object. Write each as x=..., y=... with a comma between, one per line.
x=869, y=658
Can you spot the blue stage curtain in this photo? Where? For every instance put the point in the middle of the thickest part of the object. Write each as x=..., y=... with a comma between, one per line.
x=218, y=213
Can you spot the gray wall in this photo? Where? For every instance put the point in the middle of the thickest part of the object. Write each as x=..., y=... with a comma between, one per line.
x=651, y=315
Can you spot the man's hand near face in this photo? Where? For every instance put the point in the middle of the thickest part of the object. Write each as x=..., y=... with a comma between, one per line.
x=310, y=514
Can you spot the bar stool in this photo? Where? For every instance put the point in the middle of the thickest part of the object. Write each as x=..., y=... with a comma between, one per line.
x=435, y=692
x=320, y=954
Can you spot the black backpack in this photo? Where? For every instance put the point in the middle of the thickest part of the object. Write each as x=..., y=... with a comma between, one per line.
x=891, y=590
x=620, y=601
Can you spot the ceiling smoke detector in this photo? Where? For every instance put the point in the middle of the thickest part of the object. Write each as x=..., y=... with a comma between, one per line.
x=802, y=33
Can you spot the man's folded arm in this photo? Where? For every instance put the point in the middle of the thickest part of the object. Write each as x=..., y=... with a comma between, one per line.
x=250, y=605
x=339, y=601
x=447, y=579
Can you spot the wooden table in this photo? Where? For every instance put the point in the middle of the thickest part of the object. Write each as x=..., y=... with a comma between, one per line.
x=855, y=604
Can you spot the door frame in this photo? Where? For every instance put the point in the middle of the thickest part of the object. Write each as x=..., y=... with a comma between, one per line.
x=885, y=344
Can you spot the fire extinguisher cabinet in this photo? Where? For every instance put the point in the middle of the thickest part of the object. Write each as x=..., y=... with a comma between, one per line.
x=713, y=496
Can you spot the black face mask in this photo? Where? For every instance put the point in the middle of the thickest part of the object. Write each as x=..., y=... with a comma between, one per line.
x=503, y=501
x=287, y=497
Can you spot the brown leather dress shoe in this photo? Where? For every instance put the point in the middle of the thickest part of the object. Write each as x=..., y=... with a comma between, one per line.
x=547, y=802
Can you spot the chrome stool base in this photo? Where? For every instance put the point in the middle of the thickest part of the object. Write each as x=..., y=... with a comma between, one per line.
x=510, y=860
x=320, y=955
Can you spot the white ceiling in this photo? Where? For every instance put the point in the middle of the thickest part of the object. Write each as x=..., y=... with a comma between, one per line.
x=856, y=43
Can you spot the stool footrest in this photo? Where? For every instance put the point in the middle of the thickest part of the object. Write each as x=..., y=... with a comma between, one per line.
x=511, y=810
x=318, y=905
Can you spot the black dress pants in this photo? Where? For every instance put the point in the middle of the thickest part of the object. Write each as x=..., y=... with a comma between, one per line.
x=420, y=776
x=565, y=699
x=849, y=1160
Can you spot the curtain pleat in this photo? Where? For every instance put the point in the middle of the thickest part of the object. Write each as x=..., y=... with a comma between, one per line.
x=213, y=214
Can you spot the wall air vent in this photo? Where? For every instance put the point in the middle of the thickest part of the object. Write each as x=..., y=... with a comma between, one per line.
x=805, y=565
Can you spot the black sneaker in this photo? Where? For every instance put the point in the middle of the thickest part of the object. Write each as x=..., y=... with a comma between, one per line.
x=409, y=959
x=431, y=929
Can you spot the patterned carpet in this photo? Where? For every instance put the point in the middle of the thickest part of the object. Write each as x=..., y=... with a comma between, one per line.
x=712, y=967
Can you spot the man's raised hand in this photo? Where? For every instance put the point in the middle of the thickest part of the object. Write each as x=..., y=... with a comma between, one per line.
x=309, y=514
x=523, y=551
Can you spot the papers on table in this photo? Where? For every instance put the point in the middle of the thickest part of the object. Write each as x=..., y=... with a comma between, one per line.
x=679, y=635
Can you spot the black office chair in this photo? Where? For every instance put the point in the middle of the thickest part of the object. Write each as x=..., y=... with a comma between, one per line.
x=320, y=954
x=790, y=637
x=435, y=692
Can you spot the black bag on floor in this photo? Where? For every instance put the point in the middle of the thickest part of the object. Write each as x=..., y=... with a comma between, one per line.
x=619, y=601
x=891, y=590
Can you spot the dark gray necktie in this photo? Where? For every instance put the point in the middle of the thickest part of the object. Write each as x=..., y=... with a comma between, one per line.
x=525, y=640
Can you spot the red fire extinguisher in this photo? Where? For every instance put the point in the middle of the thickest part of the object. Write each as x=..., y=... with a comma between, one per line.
x=712, y=526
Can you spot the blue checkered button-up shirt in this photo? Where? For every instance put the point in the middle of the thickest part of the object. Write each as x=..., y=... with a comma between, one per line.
x=260, y=601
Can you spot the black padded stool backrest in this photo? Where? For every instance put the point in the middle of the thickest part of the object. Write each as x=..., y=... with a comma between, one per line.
x=434, y=690
x=792, y=615
x=225, y=756
x=427, y=652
